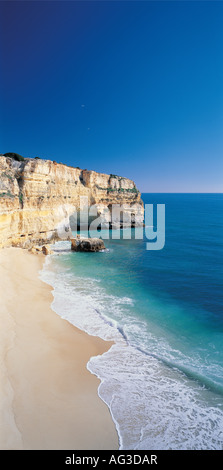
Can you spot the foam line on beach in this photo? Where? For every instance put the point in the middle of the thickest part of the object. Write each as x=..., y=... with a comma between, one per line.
x=49, y=399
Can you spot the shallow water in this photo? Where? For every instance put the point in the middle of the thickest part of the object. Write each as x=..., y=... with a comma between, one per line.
x=163, y=377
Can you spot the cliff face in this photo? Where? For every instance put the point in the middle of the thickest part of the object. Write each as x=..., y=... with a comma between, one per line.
x=37, y=198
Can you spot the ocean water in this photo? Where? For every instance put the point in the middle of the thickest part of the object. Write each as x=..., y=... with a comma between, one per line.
x=163, y=377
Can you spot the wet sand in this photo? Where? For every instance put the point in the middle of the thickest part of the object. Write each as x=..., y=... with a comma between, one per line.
x=48, y=398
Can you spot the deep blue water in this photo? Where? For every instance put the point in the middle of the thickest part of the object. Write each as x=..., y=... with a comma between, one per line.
x=167, y=305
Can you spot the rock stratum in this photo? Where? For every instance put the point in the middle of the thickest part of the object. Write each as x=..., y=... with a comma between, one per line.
x=38, y=200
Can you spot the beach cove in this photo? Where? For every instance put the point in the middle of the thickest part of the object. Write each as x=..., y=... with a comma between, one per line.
x=162, y=377
x=49, y=400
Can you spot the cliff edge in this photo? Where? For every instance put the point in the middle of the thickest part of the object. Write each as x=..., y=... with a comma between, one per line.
x=38, y=197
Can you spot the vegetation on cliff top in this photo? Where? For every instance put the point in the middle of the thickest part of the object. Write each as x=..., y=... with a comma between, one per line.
x=15, y=156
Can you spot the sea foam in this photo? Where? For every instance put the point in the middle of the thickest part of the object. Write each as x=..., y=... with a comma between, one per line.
x=153, y=406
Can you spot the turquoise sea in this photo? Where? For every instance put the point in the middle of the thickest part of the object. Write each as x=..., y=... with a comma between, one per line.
x=163, y=377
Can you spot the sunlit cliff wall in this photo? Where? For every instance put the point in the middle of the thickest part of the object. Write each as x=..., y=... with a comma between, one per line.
x=37, y=198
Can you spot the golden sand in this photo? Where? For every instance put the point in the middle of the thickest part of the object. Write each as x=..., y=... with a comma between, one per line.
x=48, y=398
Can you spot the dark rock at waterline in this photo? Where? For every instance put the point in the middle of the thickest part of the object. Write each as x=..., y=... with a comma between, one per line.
x=87, y=244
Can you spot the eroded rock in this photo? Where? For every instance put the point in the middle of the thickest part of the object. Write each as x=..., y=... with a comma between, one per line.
x=87, y=244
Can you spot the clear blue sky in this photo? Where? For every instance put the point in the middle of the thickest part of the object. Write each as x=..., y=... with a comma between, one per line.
x=132, y=88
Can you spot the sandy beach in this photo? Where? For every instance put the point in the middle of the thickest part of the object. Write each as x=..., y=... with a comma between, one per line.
x=48, y=398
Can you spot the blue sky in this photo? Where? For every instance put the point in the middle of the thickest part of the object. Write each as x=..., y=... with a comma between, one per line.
x=133, y=88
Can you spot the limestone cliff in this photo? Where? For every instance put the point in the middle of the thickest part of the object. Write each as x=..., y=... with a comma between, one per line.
x=37, y=198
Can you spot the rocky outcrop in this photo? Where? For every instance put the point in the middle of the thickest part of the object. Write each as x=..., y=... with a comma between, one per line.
x=45, y=250
x=38, y=198
x=87, y=244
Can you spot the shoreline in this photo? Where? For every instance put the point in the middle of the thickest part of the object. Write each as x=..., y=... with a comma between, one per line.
x=49, y=399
